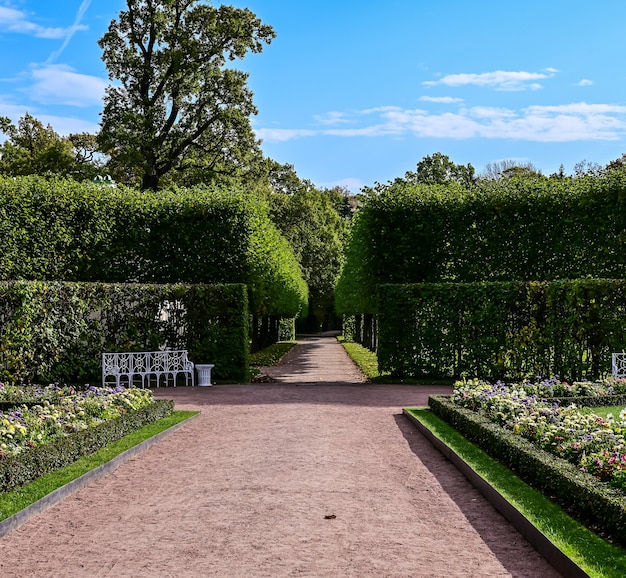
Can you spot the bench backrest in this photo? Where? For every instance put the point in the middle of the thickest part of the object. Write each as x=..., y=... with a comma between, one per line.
x=145, y=362
x=618, y=364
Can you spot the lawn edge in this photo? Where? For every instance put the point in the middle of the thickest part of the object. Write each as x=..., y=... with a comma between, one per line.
x=555, y=557
x=12, y=522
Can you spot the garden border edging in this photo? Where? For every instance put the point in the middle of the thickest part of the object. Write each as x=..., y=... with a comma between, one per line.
x=557, y=559
x=13, y=522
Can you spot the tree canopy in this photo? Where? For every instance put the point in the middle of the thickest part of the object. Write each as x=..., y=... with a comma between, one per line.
x=34, y=149
x=507, y=168
x=176, y=106
x=438, y=169
x=316, y=224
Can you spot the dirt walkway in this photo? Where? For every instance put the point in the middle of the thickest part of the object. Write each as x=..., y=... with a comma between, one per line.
x=316, y=475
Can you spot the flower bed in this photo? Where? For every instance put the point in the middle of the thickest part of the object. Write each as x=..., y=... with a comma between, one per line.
x=576, y=459
x=590, y=442
x=12, y=396
x=54, y=411
x=59, y=425
x=555, y=388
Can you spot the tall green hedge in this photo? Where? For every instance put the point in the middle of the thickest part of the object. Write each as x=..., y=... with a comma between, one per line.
x=63, y=230
x=514, y=229
x=58, y=330
x=501, y=330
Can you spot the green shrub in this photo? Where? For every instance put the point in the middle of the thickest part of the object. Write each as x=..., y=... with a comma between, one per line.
x=512, y=229
x=61, y=230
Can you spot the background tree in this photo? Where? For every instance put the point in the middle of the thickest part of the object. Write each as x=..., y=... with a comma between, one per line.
x=177, y=106
x=316, y=224
x=616, y=164
x=34, y=149
x=88, y=160
x=438, y=169
x=507, y=168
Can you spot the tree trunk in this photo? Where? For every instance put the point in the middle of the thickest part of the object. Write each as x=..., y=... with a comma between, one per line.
x=264, y=339
x=358, y=333
x=150, y=181
x=255, y=337
x=370, y=337
x=274, y=329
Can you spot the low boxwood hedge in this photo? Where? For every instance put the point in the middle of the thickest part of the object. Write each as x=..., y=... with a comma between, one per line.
x=591, y=400
x=593, y=503
x=6, y=406
x=28, y=465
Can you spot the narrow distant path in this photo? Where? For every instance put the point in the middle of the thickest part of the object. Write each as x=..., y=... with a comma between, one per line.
x=315, y=360
x=317, y=475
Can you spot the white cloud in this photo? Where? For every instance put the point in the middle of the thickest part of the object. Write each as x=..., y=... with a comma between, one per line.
x=282, y=134
x=60, y=84
x=62, y=125
x=76, y=26
x=441, y=99
x=585, y=82
x=18, y=22
x=500, y=80
x=490, y=112
x=369, y=131
x=65, y=125
x=579, y=108
x=381, y=109
x=13, y=111
x=559, y=123
x=332, y=118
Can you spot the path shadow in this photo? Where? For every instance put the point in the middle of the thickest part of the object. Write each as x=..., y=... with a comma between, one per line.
x=299, y=360
x=339, y=393
x=317, y=371
x=484, y=518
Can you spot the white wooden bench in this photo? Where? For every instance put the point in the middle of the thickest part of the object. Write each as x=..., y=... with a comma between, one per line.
x=147, y=365
x=618, y=364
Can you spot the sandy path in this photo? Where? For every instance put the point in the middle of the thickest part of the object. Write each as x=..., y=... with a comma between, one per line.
x=245, y=491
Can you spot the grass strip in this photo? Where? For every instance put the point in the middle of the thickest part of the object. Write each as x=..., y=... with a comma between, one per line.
x=272, y=354
x=366, y=360
x=604, y=410
x=597, y=557
x=19, y=498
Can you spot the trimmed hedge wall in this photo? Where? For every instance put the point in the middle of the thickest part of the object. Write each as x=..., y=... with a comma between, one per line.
x=57, y=331
x=593, y=503
x=501, y=330
x=25, y=467
x=55, y=229
x=512, y=229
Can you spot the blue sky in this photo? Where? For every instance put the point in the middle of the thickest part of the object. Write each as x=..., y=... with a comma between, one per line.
x=353, y=92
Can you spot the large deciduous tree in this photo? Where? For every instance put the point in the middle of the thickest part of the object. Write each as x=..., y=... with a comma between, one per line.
x=176, y=106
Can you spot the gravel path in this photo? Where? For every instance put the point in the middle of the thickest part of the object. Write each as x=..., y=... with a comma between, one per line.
x=316, y=475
